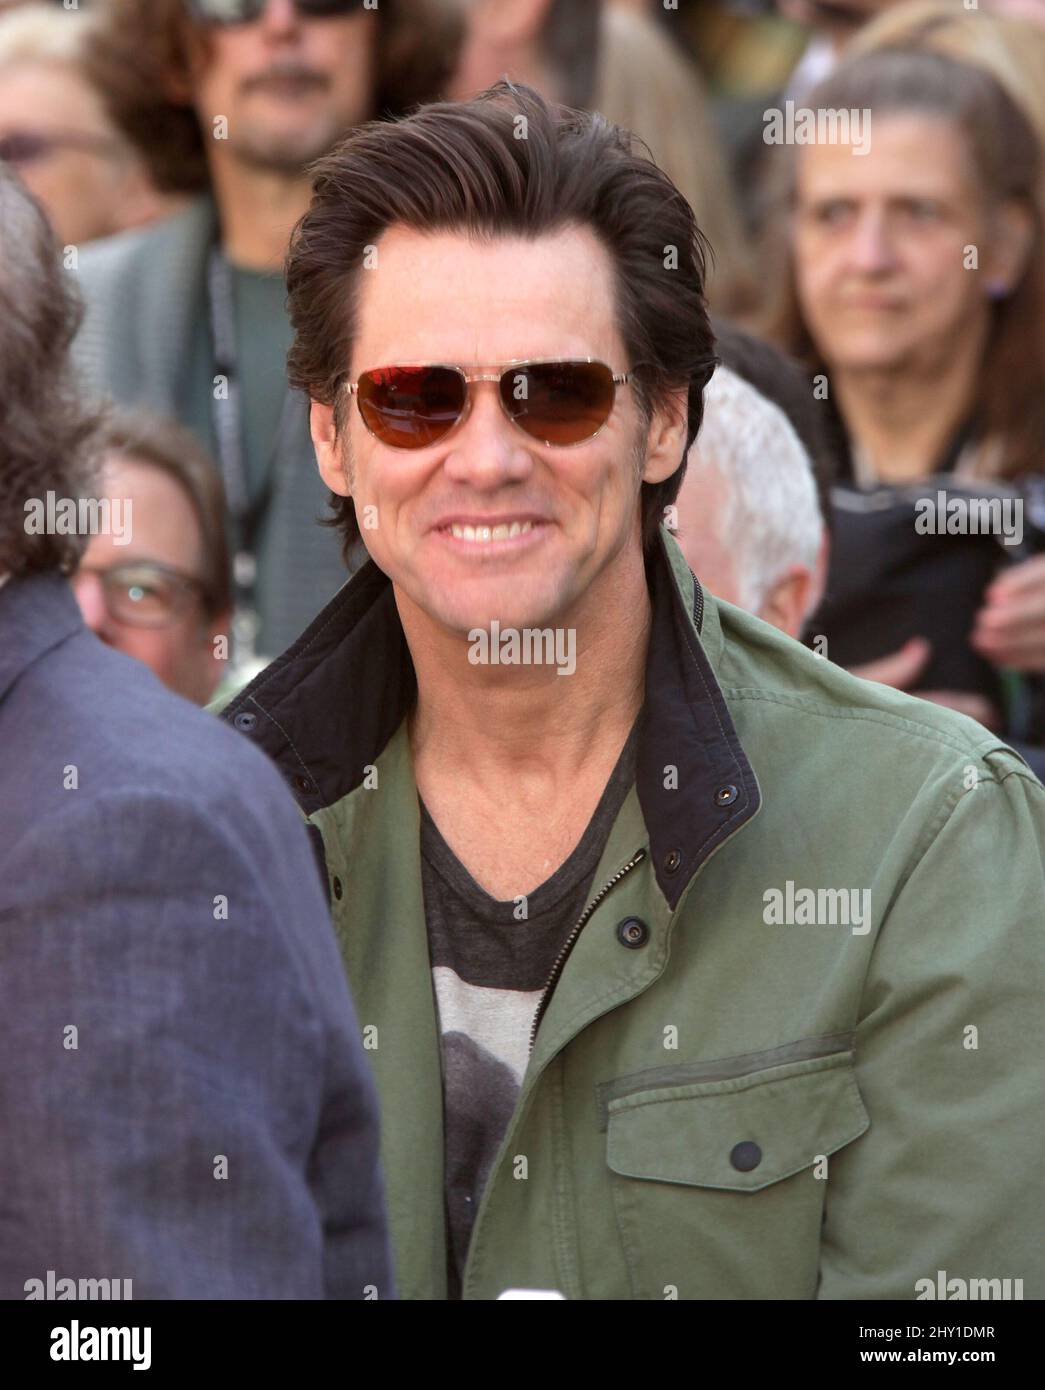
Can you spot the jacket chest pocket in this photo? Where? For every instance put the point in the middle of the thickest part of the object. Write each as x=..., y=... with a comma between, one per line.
x=719, y=1185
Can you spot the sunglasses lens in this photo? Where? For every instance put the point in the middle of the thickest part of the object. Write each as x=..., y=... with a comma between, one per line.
x=411, y=407
x=226, y=11
x=559, y=402
x=244, y=11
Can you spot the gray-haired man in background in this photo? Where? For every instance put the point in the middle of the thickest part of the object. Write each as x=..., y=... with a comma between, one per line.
x=749, y=522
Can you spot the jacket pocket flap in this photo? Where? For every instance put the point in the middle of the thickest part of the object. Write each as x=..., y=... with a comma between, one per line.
x=740, y=1134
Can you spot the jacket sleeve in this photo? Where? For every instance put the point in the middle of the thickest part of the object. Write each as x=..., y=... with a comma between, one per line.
x=950, y=1061
x=184, y=1101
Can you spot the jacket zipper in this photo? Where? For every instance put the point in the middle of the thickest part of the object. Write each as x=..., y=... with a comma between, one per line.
x=698, y=605
x=568, y=944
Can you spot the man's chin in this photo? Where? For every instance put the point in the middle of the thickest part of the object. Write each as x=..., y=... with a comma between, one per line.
x=503, y=619
x=502, y=614
x=460, y=603
x=285, y=151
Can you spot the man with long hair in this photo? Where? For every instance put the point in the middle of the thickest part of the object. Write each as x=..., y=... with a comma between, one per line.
x=231, y=102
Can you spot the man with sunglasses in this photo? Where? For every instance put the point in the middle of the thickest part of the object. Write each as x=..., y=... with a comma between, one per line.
x=667, y=936
x=231, y=101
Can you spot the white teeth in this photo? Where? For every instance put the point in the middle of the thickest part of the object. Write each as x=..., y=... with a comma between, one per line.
x=502, y=532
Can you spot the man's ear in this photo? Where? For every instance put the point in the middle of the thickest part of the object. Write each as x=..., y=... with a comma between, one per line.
x=666, y=438
x=1011, y=242
x=328, y=448
x=818, y=583
x=787, y=603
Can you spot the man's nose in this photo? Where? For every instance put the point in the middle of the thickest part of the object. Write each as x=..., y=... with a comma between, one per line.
x=487, y=449
x=279, y=16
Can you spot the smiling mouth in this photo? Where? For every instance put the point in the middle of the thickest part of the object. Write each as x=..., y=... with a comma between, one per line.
x=484, y=534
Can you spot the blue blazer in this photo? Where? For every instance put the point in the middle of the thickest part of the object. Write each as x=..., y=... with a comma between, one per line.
x=184, y=1097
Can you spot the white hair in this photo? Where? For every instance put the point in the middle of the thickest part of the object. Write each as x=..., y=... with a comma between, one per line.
x=43, y=34
x=772, y=519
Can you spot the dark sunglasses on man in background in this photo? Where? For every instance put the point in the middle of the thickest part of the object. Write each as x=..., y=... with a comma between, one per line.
x=556, y=403
x=245, y=11
x=21, y=147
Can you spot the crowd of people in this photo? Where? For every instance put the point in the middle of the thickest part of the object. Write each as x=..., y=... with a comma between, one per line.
x=693, y=353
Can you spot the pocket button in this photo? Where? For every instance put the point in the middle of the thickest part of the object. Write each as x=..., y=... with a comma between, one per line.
x=745, y=1156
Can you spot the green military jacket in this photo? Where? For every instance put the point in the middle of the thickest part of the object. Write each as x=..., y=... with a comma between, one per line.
x=796, y=1049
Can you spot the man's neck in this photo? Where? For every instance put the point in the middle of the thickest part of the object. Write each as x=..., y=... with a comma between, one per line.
x=257, y=209
x=901, y=421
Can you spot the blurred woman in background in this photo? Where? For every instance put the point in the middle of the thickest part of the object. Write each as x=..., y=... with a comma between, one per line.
x=913, y=287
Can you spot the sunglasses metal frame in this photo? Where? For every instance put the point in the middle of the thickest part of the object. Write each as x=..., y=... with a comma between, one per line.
x=618, y=379
x=203, y=15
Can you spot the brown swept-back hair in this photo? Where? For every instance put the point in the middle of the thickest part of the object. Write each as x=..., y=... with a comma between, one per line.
x=136, y=54
x=1005, y=157
x=161, y=443
x=461, y=167
x=46, y=435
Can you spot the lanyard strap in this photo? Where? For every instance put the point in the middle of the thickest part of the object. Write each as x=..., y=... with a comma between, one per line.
x=227, y=418
x=247, y=515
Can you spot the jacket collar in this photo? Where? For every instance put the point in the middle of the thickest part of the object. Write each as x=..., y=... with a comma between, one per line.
x=37, y=612
x=325, y=710
x=695, y=784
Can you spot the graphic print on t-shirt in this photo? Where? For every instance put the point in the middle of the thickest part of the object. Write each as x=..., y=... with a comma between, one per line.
x=489, y=971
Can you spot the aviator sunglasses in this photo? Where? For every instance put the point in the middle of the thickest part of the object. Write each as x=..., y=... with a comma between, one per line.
x=244, y=11
x=558, y=403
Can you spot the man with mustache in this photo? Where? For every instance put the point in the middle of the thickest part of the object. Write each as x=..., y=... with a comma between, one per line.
x=232, y=100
